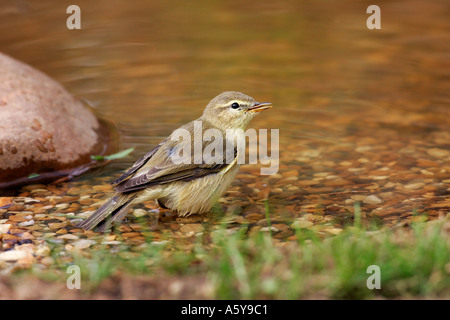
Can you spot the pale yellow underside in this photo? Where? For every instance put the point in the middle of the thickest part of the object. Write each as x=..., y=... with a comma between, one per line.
x=196, y=196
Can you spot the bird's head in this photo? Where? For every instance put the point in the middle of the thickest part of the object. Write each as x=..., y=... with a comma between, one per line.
x=232, y=110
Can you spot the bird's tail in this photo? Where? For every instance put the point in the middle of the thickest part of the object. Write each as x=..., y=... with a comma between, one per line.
x=113, y=210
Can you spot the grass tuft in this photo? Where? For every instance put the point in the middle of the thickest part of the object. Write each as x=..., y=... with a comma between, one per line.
x=414, y=261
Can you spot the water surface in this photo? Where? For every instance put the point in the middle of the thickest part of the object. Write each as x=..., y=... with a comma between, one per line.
x=363, y=114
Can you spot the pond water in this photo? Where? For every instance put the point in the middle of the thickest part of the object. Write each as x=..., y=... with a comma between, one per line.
x=364, y=115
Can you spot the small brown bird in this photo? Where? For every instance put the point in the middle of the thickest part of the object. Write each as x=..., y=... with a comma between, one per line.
x=191, y=185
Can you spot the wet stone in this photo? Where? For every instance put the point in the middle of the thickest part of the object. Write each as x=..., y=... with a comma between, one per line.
x=372, y=199
x=269, y=229
x=139, y=213
x=5, y=201
x=68, y=237
x=83, y=244
x=414, y=185
x=4, y=228
x=12, y=255
x=191, y=228
x=438, y=153
x=57, y=225
x=10, y=239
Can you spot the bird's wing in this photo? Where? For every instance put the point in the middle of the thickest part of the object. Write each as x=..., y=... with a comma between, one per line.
x=157, y=167
x=137, y=165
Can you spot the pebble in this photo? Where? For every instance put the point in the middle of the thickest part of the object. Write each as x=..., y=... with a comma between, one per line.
x=85, y=214
x=26, y=223
x=333, y=230
x=191, y=227
x=57, y=225
x=372, y=199
x=301, y=223
x=102, y=188
x=276, y=190
x=62, y=206
x=68, y=236
x=12, y=255
x=414, y=185
x=114, y=242
x=267, y=229
x=47, y=261
x=41, y=216
x=358, y=197
x=438, y=153
x=4, y=228
x=139, y=213
x=10, y=239
x=42, y=250
x=26, y=200
x=110, y=237
x=130, y=234
x=424, y=163
x=17, y=218
x=380, y=177
x=83, y=244
x=5, y=201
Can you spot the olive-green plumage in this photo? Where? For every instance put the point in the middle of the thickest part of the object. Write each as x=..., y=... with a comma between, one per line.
x=189, y=187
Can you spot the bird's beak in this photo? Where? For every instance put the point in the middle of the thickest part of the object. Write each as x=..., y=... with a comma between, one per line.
x=257, y=107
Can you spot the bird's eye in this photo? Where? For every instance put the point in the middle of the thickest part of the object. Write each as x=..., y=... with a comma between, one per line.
x=235, y=105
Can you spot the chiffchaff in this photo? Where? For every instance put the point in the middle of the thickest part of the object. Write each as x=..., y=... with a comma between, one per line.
x=190, y=186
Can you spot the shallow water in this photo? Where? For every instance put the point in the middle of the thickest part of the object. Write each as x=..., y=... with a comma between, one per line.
x=364, y=115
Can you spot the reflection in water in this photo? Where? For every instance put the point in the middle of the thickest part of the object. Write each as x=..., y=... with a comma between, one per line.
x=363, y=114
